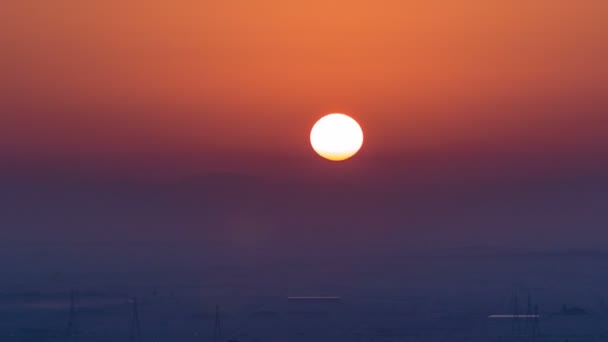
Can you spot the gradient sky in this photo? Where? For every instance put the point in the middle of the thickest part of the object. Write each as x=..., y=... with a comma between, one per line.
x=482, y=88
x=186, y=123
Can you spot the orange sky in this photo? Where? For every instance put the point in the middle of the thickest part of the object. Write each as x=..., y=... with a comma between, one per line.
x=131, y=81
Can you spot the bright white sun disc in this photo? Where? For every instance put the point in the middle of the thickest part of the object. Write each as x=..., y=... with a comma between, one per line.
x=336, y=137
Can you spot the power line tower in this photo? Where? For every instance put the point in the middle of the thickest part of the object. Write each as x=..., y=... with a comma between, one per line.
x=514, y=308
x=529, y=323
x=535, y=322
x=135, y=331
x=72, y=331
x=217, y=327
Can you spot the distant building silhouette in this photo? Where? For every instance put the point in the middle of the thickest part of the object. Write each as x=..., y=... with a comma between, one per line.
x=573, y=310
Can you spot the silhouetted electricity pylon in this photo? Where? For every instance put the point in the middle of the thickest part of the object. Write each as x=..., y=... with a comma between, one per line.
x=217, y=327
x=135, y=331
x=535, y=322
x=72, y=331
x=528, y=329
x=514, y=308
x=529, y=322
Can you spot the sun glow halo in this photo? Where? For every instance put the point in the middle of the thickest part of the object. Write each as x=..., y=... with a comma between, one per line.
x=336, y=137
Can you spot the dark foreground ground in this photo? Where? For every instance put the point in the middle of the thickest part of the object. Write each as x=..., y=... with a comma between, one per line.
x=409, y=298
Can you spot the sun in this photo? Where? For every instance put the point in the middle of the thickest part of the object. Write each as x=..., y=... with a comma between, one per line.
x=336, y=137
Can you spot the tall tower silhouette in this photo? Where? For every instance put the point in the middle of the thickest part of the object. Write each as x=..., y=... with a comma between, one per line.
x=535, y=323
x=515, y=323
x=135, y=331
x=72, y=330
x=217, y=327
x=529, y=322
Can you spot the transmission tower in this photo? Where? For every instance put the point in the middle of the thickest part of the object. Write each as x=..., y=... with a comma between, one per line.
x=135, y=331
x=529, y=325
x=217, y=327
x=535, y=322
x=72, y=331
x=514, y=308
